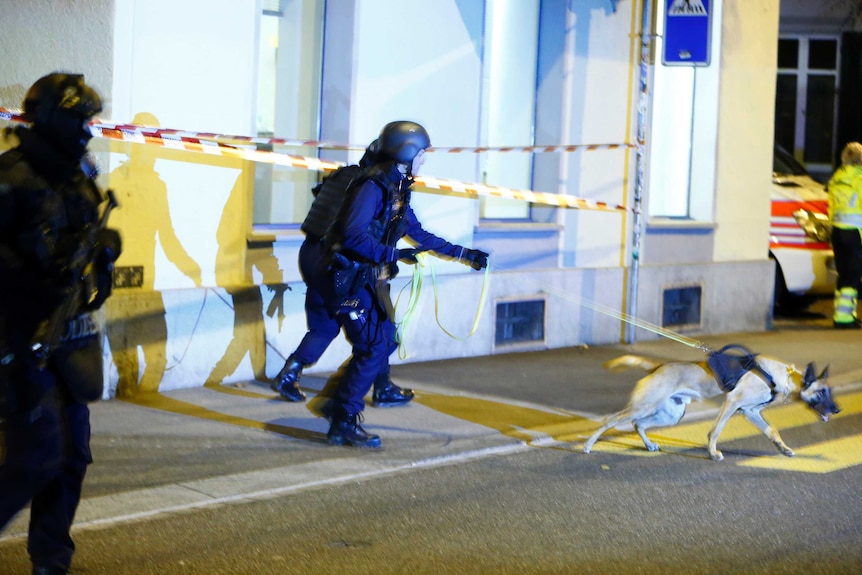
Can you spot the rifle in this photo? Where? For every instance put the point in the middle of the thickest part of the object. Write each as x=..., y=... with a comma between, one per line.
x=50, y=331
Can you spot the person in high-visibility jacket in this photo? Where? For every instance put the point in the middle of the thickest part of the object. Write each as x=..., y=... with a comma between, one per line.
x=845, y=214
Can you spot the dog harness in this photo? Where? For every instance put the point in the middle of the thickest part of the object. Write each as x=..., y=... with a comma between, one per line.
x=728, y=368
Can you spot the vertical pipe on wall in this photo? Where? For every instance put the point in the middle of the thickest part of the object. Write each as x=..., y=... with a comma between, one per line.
x=646, y=40
x=568, y=89
x=566, y=117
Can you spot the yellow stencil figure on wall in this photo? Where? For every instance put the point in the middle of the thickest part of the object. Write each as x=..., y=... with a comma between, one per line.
x=136, y=313
x=235, y=261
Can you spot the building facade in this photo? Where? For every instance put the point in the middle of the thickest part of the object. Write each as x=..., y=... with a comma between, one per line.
x=212, y=238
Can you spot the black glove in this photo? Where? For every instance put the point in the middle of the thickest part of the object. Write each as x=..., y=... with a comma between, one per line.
x=109, y=244
x=476, y=259
x=107, y=250
x=408, y=255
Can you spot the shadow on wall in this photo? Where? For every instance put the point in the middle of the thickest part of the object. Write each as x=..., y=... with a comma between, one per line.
x=136, y=316
x=246, y=301
x=136, y=313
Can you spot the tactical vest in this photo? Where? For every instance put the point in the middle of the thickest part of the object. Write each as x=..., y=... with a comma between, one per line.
x=388, y=227
x=328, y=197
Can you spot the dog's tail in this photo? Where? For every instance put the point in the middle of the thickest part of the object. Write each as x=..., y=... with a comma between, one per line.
x=627, y=361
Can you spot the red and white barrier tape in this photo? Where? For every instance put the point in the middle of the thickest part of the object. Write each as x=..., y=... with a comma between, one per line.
x=544, y=198
x=213, y=144
x=534, y=149
x=249, y=140
x=15, y=116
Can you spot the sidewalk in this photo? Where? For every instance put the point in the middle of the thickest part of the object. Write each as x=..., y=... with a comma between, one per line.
x=201, y=447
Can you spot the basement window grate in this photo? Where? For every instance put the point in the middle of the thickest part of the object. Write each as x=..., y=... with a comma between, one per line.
x=520, y=322
x=681, y=307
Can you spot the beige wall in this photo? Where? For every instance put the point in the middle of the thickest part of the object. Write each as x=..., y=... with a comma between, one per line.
x=745, y=129
x=73, y=36
x=196, y=71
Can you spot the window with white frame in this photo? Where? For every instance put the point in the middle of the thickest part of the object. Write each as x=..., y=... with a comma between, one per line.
x=805, y=99
x=291, y=52
x=290, y=55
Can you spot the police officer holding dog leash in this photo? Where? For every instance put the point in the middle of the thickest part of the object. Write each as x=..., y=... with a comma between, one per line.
x=323, y=326
x=56, y=259
x=348, y=272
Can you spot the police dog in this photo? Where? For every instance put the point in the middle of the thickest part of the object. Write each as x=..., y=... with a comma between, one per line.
x=660, y=398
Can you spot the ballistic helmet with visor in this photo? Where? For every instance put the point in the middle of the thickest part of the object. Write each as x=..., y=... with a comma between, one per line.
x=60, y=91
x=402, y=141
x=59, y=106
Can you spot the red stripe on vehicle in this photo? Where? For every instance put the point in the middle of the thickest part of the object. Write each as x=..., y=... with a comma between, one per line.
x=786, y=208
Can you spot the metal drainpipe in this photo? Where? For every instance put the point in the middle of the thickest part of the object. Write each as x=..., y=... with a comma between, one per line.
x=566, y=119
x=646, y=38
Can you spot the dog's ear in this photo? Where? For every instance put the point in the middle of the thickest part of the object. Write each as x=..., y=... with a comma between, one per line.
x=824, y=375
x=809, y=376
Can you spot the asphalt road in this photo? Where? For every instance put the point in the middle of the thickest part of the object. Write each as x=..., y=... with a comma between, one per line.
x=484, y=474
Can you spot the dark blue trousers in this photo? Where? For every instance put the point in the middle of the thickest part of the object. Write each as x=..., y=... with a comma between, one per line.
x=372, y=336
x=321, y=303
x=370, y=332
x=46, y=452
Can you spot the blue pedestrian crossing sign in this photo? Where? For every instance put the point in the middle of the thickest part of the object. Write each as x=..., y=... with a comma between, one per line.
x=687, y=26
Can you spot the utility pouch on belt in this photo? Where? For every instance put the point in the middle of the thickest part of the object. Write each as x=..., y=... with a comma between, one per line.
x=348, y=275
x=79, y=359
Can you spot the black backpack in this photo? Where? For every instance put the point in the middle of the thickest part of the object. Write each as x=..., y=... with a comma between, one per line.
x=328, y=197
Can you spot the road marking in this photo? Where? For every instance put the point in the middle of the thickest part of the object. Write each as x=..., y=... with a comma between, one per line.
x=822, y=457
x=114, y=509
x=543, y=428
x=533, y=425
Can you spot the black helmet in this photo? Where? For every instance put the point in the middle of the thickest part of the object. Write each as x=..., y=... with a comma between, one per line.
x=401, y=141
x=371, y=155
x=59, y=106
x=58, y=91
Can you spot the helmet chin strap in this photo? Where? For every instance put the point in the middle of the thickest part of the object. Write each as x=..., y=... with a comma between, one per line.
x=405, y=169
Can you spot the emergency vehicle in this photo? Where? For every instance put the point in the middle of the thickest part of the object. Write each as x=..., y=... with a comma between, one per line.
x=799, y=234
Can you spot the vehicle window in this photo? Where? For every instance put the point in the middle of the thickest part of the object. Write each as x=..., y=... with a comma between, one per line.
x=784, y=163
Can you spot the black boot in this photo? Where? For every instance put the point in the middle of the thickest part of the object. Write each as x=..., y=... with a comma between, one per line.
x=387, y=394
x=48, y=571
x=287, y=381
x=327, y=409
x=345, y=430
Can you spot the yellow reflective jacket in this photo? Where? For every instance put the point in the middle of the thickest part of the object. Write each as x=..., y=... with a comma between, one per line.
x=845, y=204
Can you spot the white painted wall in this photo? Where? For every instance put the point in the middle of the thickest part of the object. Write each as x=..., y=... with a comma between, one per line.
x=428, y=74
x=191, y=63
x=745, y=129
x=599, y=66
x=38, y=37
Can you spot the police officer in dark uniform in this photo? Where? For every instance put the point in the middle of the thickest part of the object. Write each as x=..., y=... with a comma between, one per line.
x=361, y=249
x=49, y=216
x=323, y=327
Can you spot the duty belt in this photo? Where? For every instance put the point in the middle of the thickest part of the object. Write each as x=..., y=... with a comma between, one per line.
x=80, y=327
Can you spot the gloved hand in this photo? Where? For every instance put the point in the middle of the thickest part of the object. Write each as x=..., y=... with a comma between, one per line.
x=108, y=246
x=408, y=255
x=476, y=259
